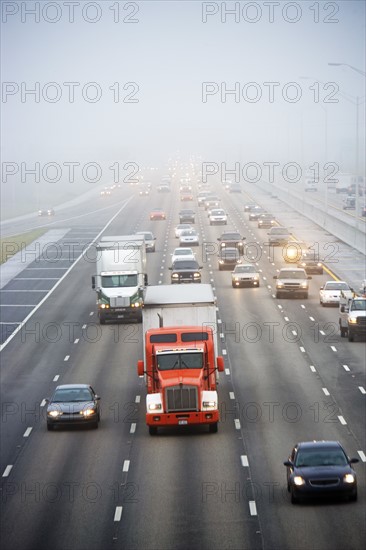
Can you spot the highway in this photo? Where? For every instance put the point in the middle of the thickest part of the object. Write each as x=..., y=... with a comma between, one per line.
x=289, y=377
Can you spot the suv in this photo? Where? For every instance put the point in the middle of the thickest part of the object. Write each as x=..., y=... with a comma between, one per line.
x=278, y=236
x=229, y=258
x=185, y=271
x=186, y=216
x=292, y=281
x=232, y=239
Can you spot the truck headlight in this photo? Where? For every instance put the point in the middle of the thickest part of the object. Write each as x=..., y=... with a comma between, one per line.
x=155, y=407
x=298, y=480
x=104, y=306
x=304, y=285
x=175, y=276
x=196, y=275
x=352, y=320
x=279, y=285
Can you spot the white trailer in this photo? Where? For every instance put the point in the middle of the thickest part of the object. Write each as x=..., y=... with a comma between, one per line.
x=121, y=277
x=183, y=305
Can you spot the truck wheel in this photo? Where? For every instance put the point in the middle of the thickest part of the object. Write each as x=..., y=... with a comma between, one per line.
x=278, y=294
x=306, y=296
x=213, y=428
x=153, y=430
x=343, y=331
x=102, y=320
x=351, y=336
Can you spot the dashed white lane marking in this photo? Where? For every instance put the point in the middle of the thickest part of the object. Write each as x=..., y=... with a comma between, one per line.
x=137, y=398
x=322, y=332
x=237, y=424
x=302, y=305
x=83, y=327
x=27, y=432
x=294, y=332
x=67, y=357
x=76, y=341
x=7, y=470
x=279, y=306
x=43, y=402
x=118, y=513
x=227, y=372
x=224, y=352
x=56, y=378
x=362, y=389
x=342, y=420
x=333, y=348
x=244, y=461
x=312, y=368
x=126, y=466
x=219, y=321
x=326, y=392
x=302, y=349
x=91, y=313
x=252, y=508
x=286, y=319
x=346, y=367
x=311, y=318
x=221, y=335
x=232, y=395
x=133, y=428
x=362, y=456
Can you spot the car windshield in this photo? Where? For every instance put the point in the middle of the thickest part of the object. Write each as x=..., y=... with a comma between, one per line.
x=117, y=281
x=320, y=457
x=148, y=236
x=72, y=395
x=230, y=237
x=245, y=269
x=188, y=233
x=217, y=212
x=185, y=264
x=336, y=286
x=183, y=252
x=279, y=231
x=175, y=361
x=292, y=275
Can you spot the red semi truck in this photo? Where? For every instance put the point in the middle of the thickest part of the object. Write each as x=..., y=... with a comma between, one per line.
x=181, y=361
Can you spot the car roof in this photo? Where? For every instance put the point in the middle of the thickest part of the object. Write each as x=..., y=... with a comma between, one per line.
x=318, y=444
x=70, y=386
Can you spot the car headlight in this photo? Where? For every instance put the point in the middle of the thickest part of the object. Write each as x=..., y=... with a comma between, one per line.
x=136, y=304
x=196, y=275
x=154, y=406
x=319, y=264
x=54, y=413
x=221, y=261
x=349, y=478
x=298, y=480
x=87, y=412
x=352, y=320
x=279, y=285
x=175, y=276
x=304, y=285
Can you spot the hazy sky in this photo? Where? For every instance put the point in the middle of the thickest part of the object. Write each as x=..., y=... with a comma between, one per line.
x=169, y=52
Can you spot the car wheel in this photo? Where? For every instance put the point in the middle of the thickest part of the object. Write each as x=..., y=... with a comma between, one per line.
x=351, y=335
x=213, y=428
x=343, y=331
x=50, y=427
x=153, y=430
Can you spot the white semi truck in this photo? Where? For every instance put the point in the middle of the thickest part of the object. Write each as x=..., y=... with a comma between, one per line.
x=121, y=277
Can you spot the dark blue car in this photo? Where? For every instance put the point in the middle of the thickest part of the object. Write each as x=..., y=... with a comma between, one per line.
x=320, y=468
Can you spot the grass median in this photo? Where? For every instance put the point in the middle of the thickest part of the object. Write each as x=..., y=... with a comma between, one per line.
x=16, y=243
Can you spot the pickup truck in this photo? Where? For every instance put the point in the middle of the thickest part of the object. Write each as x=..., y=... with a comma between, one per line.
x=352, y=317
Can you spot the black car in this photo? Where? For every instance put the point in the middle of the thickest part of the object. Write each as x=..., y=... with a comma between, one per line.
x=255, y=213
x=185, y=271
x=320, y=468
x=232, y=239
x=73, y=404
x=186, y=216
x=250, y=206
x=229, y=258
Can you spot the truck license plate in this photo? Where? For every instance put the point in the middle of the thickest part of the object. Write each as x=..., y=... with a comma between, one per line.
x=183, y=422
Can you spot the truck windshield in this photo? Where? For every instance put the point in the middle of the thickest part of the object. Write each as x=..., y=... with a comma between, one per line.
x=359, y=305
x=117, y=281
x=176, y=361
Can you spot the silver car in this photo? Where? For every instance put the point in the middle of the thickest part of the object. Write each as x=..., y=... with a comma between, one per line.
x=73, y=404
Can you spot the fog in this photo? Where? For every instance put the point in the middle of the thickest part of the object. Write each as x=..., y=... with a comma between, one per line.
x=139, y=81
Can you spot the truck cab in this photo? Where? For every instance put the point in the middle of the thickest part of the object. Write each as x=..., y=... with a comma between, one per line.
x=352, y=317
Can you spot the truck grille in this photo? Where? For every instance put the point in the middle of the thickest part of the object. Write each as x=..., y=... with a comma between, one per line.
x=120, y=301
x=181, y=398
x=290, y=286
x=361, y=321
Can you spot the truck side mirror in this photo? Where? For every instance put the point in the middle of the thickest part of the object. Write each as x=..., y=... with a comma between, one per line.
x=140, y=367
x=220, y=363
x=93, y=282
